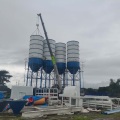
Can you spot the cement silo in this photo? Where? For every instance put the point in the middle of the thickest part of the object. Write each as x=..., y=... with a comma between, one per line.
x=36, y=52
x=60, y=55
x=47, y=63
x=73, y=64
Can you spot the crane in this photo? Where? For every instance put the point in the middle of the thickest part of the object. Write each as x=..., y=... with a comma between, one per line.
x=51, y=54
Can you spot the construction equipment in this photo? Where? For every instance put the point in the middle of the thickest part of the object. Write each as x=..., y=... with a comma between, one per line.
x=52, y=56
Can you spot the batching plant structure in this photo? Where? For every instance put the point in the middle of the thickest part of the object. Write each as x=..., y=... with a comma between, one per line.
x=40, y=62
x=47, y=63
x=36, y=52
x=35, y=61
x=73, y=64
x=60, y=54
x=40, y=66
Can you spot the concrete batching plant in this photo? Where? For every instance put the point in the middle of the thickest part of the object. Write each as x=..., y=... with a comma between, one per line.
x=41, y=67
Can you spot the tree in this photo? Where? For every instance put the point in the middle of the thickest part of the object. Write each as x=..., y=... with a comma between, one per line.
x=118, y=81
x=111, y=82
x=4, y=77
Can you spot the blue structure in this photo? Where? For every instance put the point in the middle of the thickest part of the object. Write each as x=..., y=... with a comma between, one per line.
x=61, y=70
x=61, y=67
x=3, y=104
x=47, y=63
x=36, y=52
x=73, y=67
x=17, y=105
x=60, y=54
x=1, y=95
x=73, y=64
x=47, y=66
x=35, y=64
x=35, y=61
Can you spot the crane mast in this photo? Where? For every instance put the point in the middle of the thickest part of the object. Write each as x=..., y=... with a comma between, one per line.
x=51, y=53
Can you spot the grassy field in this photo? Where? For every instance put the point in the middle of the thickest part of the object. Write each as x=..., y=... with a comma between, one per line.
x=88, y=116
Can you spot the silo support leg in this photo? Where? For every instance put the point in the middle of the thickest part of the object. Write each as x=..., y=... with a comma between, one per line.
x=73, y=79
x=49, y=81
x=41, y=80
x=31, y=78
x=45, y=79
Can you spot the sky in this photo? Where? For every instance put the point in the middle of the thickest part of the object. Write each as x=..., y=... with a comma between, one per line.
x=94, y=23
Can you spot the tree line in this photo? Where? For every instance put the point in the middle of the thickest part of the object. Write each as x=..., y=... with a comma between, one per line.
x=113, y=90
x=4, y=78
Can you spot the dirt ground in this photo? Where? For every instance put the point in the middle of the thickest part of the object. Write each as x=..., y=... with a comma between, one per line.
x=78, y=116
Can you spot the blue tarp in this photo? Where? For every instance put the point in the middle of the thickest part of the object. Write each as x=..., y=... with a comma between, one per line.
x=26, y=97
x=35, y=98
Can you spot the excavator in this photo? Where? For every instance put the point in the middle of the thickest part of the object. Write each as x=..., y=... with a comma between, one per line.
x=58, y=85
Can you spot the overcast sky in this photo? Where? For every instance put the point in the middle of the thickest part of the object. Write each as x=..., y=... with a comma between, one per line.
x=94, y=23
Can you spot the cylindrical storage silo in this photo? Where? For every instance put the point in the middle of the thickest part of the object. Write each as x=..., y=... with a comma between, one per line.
x=47, y=63
x=36, y=52
x=60, y=55
x=73, y=56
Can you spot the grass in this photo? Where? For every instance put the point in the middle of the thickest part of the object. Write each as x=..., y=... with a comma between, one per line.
x=82, y=118
x=93, y=116
x=88, y=116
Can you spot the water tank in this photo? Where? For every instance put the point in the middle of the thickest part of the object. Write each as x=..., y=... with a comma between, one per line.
x=60, y=55
x=36, y=52
x=73, y=56
x=47, y=63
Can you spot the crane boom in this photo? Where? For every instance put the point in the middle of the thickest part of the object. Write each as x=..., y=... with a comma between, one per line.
x=51, y=53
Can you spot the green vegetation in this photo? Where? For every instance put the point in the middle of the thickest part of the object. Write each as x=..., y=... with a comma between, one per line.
x=82, y=118
x=4, y=77
x=96, y=116
x=88, y=116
